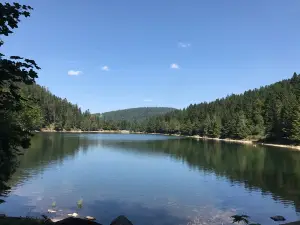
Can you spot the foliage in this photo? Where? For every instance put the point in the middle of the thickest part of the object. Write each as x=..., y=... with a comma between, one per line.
x=59, y=114
x=14, y=70
x=240, y=218
x=271, y=112
x=135, y=114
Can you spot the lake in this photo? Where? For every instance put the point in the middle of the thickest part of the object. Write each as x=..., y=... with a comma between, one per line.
x=154, y=179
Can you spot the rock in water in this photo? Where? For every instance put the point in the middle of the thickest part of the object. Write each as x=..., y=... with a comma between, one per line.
x=75, y=221
x=121, y=220
x=51, y=211
x=73, y=214
x=90, y=218
x=278, y=218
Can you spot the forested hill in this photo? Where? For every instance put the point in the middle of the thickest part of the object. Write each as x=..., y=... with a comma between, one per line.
x=271, y=112
x=47, y=111
x=135, y=114
x=51, y=112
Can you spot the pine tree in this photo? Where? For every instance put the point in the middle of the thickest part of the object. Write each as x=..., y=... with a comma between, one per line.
x=187, y=128
x=295, y=125
x=241, y=129
x=206, y=125
x=215, y=127
x=257, y=118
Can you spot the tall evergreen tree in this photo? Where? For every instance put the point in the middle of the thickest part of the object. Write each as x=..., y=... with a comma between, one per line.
x=295, y=125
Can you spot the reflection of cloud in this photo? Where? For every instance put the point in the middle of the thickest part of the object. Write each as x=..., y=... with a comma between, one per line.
x=174, y=66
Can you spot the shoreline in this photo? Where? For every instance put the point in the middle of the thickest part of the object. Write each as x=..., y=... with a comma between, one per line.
x=248, y=142
x=81, y=131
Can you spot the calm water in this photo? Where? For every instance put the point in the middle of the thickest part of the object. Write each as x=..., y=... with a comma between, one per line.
x=154, y=179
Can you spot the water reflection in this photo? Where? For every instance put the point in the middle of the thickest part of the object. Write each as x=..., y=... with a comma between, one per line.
x=269, y=170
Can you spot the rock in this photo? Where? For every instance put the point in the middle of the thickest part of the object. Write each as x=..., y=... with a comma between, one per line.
x=75, y=221
x=121, y=220
x=73, y=214
x=278, y=218
x=90, y=218
x=51, y=211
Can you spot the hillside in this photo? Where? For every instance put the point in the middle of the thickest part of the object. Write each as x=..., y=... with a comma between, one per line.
x=271, y=112
x=135, y=114
x=47, y=111
x=55, y=113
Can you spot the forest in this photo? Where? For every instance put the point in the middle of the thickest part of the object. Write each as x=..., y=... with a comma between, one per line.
x=270, y=113
x=135, y=114
x=47, y=111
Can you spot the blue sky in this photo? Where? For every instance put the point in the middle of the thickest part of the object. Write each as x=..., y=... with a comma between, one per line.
x=107, y=54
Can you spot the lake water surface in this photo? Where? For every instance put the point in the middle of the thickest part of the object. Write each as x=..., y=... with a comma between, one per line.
x=154, y=179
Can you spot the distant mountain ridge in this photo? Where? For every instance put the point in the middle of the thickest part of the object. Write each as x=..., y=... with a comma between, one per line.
x=135, y=114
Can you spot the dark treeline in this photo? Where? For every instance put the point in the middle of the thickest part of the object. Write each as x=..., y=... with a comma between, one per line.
x=51, y=112
x=135, y=114
x=271, y=112
x=54, y=113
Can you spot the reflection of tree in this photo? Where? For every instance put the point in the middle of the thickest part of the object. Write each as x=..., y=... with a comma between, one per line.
x=46, y=149
x=7, y=168
x=275, y=171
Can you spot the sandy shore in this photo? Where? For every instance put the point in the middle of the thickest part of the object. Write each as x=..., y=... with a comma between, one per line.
x=251, y=142
x=248, y=142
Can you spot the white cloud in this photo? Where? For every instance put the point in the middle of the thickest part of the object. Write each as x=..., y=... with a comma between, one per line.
x=74, y=72
x=174, y=66
x=105, y=68
x=184, y=45
x=148, y=100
